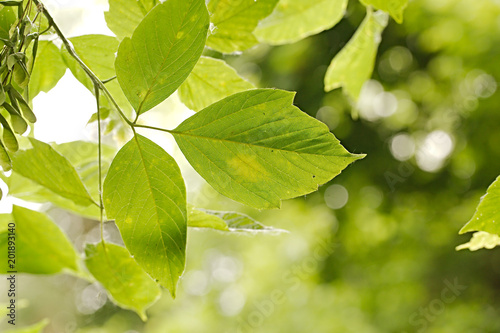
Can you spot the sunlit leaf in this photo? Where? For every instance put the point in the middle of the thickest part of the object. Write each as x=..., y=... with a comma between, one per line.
x=394, y=7
x=127, y=283
x=255, y=147
x=124, y=16
x=353, y=65
x=163, y=50
x=480, y=240
x=293, y=20
x=226, y=221
x=41, y=246
x=487, y=216
x=235, y=21
x=145, y=193
x=211, y=80
x=45, y=166
x=48, y=69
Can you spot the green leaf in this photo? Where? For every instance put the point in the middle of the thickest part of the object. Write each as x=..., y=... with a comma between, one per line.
x=5, y=161
x=353, y=65
x=126, y=282
x=8, y=136
x=293, y=20
x=394, y=7
x=145, y=193
x=41, y=246
x=211, y=80
x=255, y=147
x=49, y=68
x=36, y=328
x=7, y=19
x=235, y=21
x=226, y=221
x=481, y=240
x=124, y=16
x=45, y=166
x=162, y=52
x=487, y=216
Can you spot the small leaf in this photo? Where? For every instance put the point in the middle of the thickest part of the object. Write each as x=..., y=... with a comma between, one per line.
x=36, y=328
x=211, y=80
x=150, y=68
x=487, y=216
x=7, y=19
x=9, y=138
x=480, y=240
x=234, y=22
x=41, y=246
x=226, y=221
x=5, y=161
x=48, y=168
x=394, y=7
x=255, y=147
x=2, y=94
x=125, y=15
x=145, y=193
x=48, y=68
x=126, y=282
x=293, y=20
x=353, y=65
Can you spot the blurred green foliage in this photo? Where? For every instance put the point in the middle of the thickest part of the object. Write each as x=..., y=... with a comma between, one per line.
x=385, y=259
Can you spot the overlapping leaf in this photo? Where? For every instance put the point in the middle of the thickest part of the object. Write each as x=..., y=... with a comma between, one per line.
x=353, y=65
x=235, y=21
x=163, y=50
x=255, y=147
x=293, y=20
x=124, y=16
x=127, y=283
x=394, y=7
x=48, y=69
x=487, y=216
x=43, y=165
x=211, y=80
x=41, y=247
x=145, y=193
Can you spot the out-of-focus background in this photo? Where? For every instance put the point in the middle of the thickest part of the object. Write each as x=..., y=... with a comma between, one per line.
x=371, y=251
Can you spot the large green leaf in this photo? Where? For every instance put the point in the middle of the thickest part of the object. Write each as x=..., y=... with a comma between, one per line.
x=255, y=147
x=41, y=247
x=127, y=283
x=393, y=7
x=48, y=69
x=163, y=50
x=293, y=20
x=353, y=65
x=226, y=221
x=235, y=21
x=480, y=240
x=45, y=166
x=124, y=16
x=145, y=193
x=211, y=80
x=487, y=216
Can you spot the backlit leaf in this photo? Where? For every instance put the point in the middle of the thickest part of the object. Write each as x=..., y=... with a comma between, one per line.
x=48, y=69
x=41, y=246
x=255, y=147
x=145, y=193
x=487, y=216
x=211, y=80
x=127, y=283
x=235, y=21
x=394, y=7
x=163, y=50
x=45, y=166
x=124, y=16
x=293, y=20
x=353, y=65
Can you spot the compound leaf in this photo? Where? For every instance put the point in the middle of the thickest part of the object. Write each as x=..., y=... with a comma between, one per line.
x=255, y=147
x=163, y=50
x=145, y=193
x=293, y=20
x=211, y=80
x=126, y=282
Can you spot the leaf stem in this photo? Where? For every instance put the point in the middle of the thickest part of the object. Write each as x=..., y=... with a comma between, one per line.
x=101, y=205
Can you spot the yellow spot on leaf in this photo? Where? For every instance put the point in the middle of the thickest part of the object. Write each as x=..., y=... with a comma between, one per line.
x=247, y=167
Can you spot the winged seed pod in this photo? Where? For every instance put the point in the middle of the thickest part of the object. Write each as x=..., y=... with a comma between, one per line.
x=9, y=138
x=17, y=122
x=15, y=97
x=5, y=161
